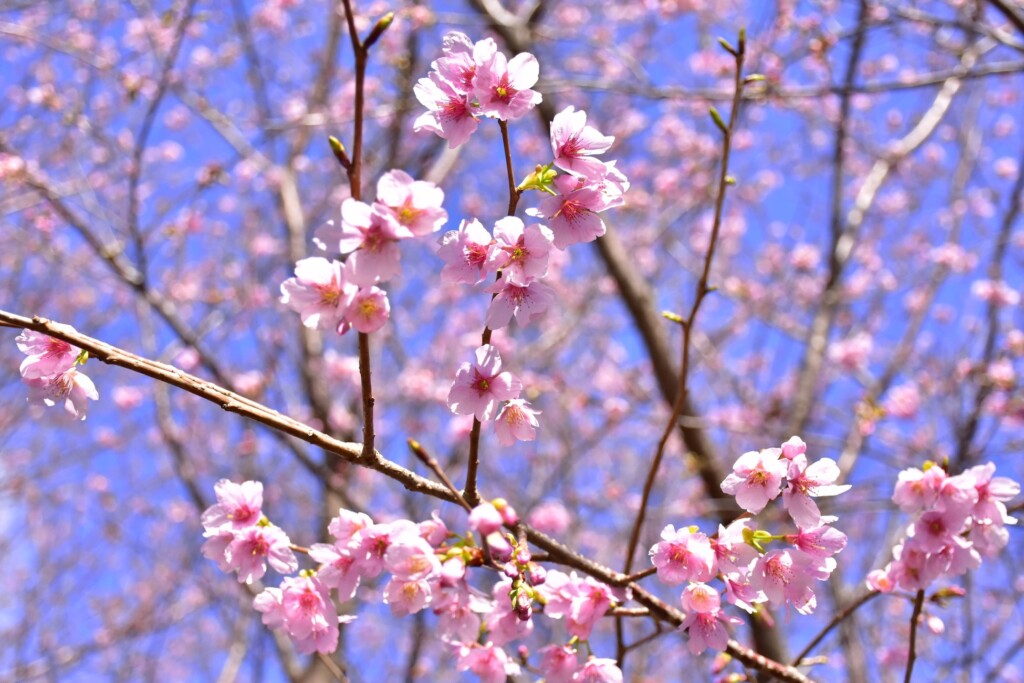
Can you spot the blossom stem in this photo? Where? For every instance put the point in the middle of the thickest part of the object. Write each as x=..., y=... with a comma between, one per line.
x=473, y=465
x=367, y=391
x=914, y=618
x=355, y=172
x=513, y=193
x=333, y=667
x=642, y=574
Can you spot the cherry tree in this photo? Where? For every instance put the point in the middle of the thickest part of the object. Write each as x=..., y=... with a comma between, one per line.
x=525, y=340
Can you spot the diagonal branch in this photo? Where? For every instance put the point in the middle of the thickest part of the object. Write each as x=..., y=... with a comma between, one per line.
x=353, y=452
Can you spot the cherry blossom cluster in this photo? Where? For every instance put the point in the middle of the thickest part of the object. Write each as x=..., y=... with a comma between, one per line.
x=50, y=370
x=240, y=538
x=957, y=520
x=472, y=80
x=751, y=574
x=428, y=570
x=330, y=294
x=481, y=385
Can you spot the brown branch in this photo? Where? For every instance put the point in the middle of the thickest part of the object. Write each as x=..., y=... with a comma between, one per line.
x=135, y=169
x=1010, y=13
x=914, y=618
x=352, y=452
x=229, y=401
x=436, y=468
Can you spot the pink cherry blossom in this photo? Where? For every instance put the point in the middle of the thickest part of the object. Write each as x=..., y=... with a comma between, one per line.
x=338, y=570
x=238, y=506
x=502, y=87
x=370, y=545
x=407, y=596
x=989, y=537
x=705, y=622
x=411, y=558
x=214, y=548
x=582, y=601
x=433, y=530
x=599, y=670
x=793, y=447
x=415, y=205
x=489, y=662
x=903, y=401
x=957, y=496
x=516, y=421
x=732, y=553
x=479, y=386
x=995, y=292
x=683, y=555
x=851, y=353
x=319, y=292
x=550, y=517
x=504, y=623
x=756, y=478
x=268, y=603
x=347, y=525
x=254, y=547
x=71, y=388
x=466, y=253
x=916, y=489
x=572, y=213
x=881, y=581
x=558, y=663
x=933, y=530
x=807, y=482
x=819, y=542
x=448, y=114
x=527, y=302
x=308, y=615
x=785, y=576
x=485, y=519
x=372, y=236
x=368, y=312
x=993, y=493
x=456, y=65
x=573, y=142
x=521, y=253
x=47, y=357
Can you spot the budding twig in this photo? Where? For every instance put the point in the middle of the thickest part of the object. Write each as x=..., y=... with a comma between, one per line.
x=702, y=290
x=436, y=468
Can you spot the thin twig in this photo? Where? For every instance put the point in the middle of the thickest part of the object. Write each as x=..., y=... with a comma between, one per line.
x=355, y=170
x=333, y=667
x=417, y=448
x=836, y=620
x=702, y=291
x=473, y=464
